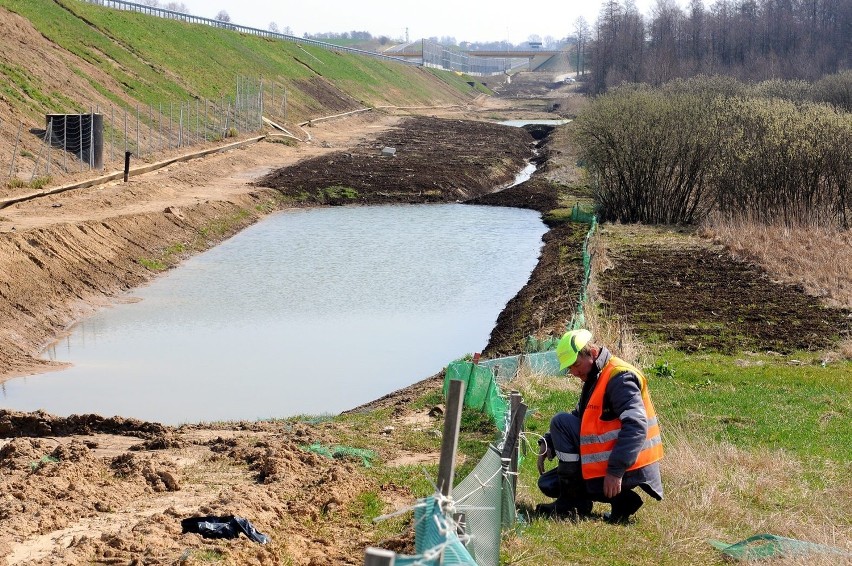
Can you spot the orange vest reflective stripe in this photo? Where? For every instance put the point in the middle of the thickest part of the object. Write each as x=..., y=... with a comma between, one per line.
x=598, y=437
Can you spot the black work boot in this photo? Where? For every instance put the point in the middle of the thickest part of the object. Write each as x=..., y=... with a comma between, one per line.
x=624, y=505
x=572, y=502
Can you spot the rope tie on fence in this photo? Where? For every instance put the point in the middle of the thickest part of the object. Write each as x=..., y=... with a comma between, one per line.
x=397, y=513
x=481, y=484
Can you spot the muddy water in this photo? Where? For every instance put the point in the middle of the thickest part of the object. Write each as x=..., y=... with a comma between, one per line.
x=306, y=312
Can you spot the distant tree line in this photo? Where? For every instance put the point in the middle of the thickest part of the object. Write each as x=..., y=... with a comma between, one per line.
x=772, y=152
x=746, y=39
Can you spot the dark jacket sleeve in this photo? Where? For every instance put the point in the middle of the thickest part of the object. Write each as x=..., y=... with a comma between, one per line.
x=625, y=402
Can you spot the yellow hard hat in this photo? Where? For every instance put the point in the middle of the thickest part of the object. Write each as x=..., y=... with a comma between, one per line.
x=570, y=345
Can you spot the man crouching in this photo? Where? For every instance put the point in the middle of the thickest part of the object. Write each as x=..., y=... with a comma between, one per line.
x=609, y=444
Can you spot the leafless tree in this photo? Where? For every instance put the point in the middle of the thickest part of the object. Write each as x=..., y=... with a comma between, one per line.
x=223, y=16
x=176, y=7
x=273, y=27
x=581, y=28
x=752, y=40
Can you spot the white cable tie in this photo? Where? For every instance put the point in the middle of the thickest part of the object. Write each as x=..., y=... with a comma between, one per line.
x=398, y=512
x=434, y=552
x=442, y=525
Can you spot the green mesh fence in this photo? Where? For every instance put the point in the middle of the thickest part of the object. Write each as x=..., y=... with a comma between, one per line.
x=578, y=319
x=434, y=536
x=481, y=390
x=341, y=452
x=485, y=497
x=772, y=546
x=579, y=215
x=545, y=363
x=540, y=344
x=504, y=369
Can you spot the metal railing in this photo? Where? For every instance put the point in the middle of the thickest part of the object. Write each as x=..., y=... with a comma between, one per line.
x=189, y=18
x=434, y=55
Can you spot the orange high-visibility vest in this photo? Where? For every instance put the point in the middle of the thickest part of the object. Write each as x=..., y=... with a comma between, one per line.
x=598, y=437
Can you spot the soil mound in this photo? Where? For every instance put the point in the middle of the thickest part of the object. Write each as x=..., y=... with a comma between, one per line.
x=433, y=160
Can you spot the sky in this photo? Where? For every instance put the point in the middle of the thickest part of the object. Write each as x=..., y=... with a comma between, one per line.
x=465, y=21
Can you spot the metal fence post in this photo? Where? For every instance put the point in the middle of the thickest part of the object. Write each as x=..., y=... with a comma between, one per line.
x=91, y=138
x=150, y=128
x=516, y=425
x=161, y=126
x=125, y=130
x=44, y=151
x=80, y=138
x=450, y=439
x=49, y=138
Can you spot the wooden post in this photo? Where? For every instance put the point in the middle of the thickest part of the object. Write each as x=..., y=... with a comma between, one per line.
x=127, y=155
x=450, y=440
x=379, y=557
x=515, y=404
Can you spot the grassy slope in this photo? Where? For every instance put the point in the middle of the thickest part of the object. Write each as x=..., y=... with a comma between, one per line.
x=157, y=59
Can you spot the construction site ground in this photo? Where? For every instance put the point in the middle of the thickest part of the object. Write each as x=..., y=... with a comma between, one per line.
x=110, y=490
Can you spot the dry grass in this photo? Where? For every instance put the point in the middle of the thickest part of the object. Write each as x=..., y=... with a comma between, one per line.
x=819, y=259
x=719, y=491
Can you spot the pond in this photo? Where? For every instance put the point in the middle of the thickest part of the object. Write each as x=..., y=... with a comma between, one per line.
x=307, y=312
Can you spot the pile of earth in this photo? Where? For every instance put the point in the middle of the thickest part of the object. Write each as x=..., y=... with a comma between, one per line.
x=428, y=160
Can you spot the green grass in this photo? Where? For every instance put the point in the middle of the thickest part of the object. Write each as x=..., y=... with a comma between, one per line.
x=152, y=264
x=155, y=59
x=37, y=183
x=793, y=403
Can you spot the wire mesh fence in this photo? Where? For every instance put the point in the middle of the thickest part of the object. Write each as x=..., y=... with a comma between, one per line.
x=97, y=140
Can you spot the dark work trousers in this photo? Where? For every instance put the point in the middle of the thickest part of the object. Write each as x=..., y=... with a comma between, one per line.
x=565, y=436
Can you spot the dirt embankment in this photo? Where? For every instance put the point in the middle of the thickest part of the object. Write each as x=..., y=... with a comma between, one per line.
x=420, y=160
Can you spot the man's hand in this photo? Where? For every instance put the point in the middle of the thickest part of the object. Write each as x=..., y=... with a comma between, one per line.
x=611, y=486
x=540, y=463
